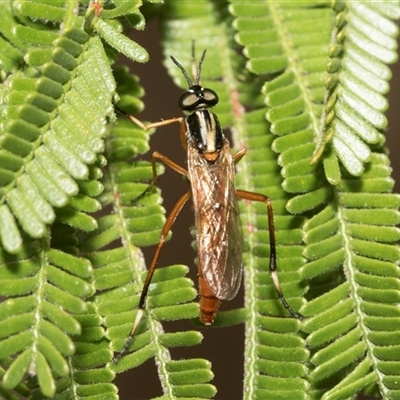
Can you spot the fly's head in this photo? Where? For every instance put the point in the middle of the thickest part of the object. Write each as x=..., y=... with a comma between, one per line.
x=196, y=97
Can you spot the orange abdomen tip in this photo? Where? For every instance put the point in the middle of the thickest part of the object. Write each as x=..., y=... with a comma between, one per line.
x=208, y=303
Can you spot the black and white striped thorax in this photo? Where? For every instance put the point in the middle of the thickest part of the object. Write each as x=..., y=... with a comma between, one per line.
x=203, y=128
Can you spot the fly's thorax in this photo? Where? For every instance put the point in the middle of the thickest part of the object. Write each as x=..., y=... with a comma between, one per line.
x=203, y=129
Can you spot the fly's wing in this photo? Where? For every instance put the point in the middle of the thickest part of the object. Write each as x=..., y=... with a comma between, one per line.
x=218, y=231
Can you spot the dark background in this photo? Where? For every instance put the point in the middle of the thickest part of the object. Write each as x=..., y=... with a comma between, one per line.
x=224, y=347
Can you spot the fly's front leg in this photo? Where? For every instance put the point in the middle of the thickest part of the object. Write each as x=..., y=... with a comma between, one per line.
x=142, y=301
x=154, y=124
x=272, y=262
x=180, y=120
x=156, y=155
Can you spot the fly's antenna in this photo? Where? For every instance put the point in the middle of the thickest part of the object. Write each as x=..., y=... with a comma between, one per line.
x=193, y=62
x=199, y=67
x=185, y=74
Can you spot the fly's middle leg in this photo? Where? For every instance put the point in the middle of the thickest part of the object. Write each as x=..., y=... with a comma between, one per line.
x=158, y=156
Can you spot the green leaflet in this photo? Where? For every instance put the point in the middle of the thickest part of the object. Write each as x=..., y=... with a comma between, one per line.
x=43, y=11
x=56, y=156
x=121, y=43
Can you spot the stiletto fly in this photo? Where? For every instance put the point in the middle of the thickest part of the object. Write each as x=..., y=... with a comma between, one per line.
x=211, y=173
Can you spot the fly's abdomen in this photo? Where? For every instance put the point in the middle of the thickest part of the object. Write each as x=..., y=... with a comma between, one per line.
x=208, y=302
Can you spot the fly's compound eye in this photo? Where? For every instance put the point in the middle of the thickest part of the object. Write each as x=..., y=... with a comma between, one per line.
x=210, y=97
x=188, y=101
x=197, y=97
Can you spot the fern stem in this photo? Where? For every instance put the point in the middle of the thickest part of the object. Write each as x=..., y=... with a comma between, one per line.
x=162, y=356
x=71, y=9
x=39, y=294
x=124, y=231
x=349, y=269
x=294, y=65
x=74, y=386
x=239, y=141
x=250, y=352
x=321, y=138
x=248, y=212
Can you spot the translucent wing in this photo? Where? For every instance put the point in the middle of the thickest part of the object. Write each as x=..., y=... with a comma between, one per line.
x=218, y=232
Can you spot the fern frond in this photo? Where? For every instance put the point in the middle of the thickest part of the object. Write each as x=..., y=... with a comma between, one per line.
x=45, y=287
x=295, y=96
x=349, y=316
x=46, y=113
x=53, y=128
x=364, y=42
x=355, y=235
x=278, y=353
x=49, y=106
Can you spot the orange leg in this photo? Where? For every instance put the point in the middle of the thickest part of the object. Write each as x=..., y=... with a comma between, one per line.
x=142, y=302
x=158, y=156
x=272, y=261
x=166, y=122
x=239, y=155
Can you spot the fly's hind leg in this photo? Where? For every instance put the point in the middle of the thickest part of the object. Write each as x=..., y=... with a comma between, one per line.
x=142, y=301
x=272, y=262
